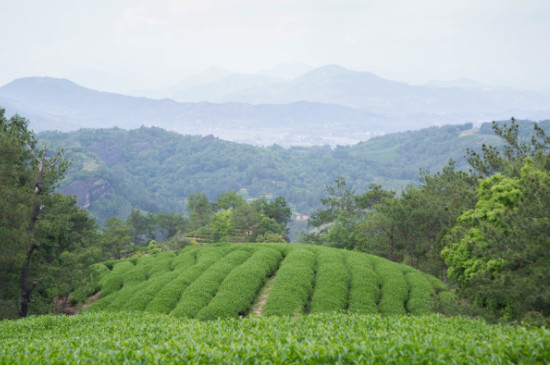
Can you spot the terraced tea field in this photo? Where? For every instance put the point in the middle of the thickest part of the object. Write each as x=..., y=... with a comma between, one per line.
x=226, y=280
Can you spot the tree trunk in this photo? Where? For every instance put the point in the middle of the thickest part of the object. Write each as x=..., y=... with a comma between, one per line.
x=391, y=247
x=445, y=267
x=26, y=288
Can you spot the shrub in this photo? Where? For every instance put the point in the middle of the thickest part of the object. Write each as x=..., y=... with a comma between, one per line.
x=240, y=288
x=364, y=289
x=146, y=294
x=293, y=284
x=124, y=296
x=331, y=283
x=113, y=282
x=144, y=338
x=199, y=293
x=420, y=293
x=168, y=297
x=163, y=263
x=394, y=288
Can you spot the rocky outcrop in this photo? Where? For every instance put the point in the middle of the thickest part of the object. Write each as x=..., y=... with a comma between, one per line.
x=87, y=190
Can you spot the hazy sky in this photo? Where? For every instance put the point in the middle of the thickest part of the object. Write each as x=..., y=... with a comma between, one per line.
x=154, y=43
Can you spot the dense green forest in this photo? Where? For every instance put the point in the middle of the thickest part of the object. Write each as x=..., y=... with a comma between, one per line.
x=150, y=169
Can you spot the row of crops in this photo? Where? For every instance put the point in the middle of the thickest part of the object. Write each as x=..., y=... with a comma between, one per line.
x=223, y=280
x=139, y=337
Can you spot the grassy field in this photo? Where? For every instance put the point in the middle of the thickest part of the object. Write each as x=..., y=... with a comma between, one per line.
x=224, y=280
x=148, y=338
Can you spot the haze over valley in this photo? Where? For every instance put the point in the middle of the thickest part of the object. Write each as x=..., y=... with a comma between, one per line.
x=327, y=105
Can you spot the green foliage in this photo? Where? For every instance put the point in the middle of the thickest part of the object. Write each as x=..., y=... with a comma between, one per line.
x=364, y=291
x=270, y=237
x=411, y=227
x=113, y=282
x=293, y=285
x=146, y=293
x=110, y=338
x=223, y=280
x=46, y=241
x=201, y=291
x=332, y=283
x=517, y=147
x=151, y=169
x=241, y=286
x=233, y=219
x=395, y=290
x=170, y=295
x=420, y=293
x=499, y=250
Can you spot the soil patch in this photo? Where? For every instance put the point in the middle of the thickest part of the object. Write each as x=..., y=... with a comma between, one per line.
x=258, y=305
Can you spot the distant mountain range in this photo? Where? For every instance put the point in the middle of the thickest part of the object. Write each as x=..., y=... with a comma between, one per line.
x=328, y=105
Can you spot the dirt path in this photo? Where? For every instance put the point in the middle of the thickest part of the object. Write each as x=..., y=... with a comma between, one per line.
x=256, y=310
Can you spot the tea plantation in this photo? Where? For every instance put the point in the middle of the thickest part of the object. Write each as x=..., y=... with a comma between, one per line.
x=147, y=338
x=301, y=304
x=224, y=280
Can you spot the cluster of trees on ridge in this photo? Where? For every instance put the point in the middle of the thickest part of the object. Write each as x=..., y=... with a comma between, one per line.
x=151, y=169
x=486, y=229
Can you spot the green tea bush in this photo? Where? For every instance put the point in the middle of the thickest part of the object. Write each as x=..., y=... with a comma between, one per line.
x=163, y=263
x=364, y=289
x=420, y=293
x=145, y=338
x=240, y=288
x=310, y=278
x=124, y=296
x=140, y=271
x=113, y=282
x=436, y=283
x=186, y=257
x=199, y=293
x=147, y=293
x=293, y=285
x=331, y=283
x=169, y=296
x=395, y=290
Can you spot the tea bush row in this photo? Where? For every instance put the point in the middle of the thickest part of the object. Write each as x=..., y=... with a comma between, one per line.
x=310, y=277
x=113, y=281
x=144, y=338
x=364, y=289
x=242, y=285
x=146, y=294
x=170, y=294
x=395, y=290
x=201, y=291
x=331, y=283
x=420, y=299
x=164, y=262
x=293, y=284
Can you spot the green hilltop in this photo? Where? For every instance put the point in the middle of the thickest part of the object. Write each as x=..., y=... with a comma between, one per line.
x=150, y=169
x=230, y=280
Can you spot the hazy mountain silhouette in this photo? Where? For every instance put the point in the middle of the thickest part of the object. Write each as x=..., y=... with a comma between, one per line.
x=64, y=105
x=330, y=104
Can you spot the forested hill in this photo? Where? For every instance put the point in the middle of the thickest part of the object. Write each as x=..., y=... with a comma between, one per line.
x=115, y=170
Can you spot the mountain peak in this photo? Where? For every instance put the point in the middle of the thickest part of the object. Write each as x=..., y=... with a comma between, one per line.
x=38, y=81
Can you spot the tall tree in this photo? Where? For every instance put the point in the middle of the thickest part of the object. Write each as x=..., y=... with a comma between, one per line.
x=200, y=209
x=499, y=251
x=28, y=179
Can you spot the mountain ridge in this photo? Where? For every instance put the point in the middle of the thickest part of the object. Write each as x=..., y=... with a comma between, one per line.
x=327, y=105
